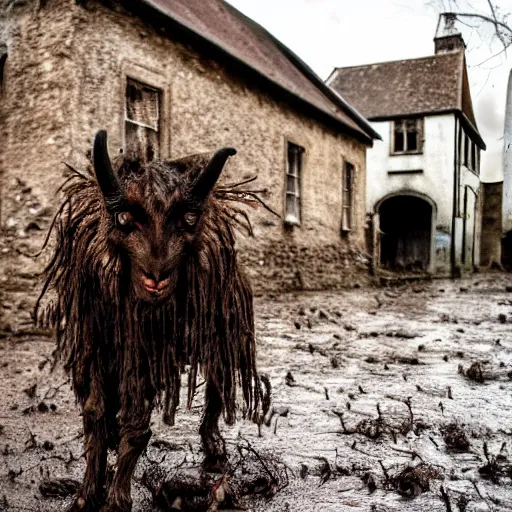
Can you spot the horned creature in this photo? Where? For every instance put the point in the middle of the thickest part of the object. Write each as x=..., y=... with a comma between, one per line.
x=146, y=281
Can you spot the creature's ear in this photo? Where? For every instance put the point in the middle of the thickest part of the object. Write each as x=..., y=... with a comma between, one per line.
x=210, y=174
x=107, y=179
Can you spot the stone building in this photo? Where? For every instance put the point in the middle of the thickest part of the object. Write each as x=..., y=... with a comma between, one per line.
x=423, y=178
x=175, y=77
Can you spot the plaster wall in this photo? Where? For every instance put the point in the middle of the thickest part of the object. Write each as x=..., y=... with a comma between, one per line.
x=429, y=175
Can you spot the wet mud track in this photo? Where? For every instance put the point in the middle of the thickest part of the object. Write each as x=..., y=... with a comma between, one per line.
x=384, y=399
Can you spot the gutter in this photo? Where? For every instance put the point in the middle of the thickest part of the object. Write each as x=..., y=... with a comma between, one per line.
x=367, y=133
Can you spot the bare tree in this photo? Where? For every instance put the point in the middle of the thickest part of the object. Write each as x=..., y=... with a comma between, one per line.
x=488, y=19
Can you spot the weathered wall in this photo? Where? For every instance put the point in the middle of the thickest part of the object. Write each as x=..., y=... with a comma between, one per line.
x=490, y=249
x=385, y=171
x=35, y=126
x=66, y=76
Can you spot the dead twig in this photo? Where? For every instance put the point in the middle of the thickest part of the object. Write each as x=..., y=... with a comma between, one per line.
x=52, y=391
x=412, y=453
x=446, y=499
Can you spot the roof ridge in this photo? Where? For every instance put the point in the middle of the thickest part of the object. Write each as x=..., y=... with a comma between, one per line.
x=427, y=57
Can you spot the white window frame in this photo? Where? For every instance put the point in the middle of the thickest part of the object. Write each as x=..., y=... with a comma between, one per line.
x=295, y=172
x=419, y=136
x=347, y=192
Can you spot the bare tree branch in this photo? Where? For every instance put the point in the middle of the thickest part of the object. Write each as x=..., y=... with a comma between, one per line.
x=498, y=25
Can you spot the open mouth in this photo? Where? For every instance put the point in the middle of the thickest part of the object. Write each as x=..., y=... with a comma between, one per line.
x=155, y=288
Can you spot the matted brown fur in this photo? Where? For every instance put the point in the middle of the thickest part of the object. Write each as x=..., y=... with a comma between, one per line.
x=133, y=348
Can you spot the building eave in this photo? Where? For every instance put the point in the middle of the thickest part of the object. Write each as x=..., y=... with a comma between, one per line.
x=364, y=134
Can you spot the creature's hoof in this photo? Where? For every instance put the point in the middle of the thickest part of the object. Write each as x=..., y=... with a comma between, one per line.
x=215, y=463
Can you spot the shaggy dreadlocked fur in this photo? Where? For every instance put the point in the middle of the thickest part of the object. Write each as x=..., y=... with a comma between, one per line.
x=124, y=353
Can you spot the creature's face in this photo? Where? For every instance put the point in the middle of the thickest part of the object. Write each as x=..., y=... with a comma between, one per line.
x=156, y=212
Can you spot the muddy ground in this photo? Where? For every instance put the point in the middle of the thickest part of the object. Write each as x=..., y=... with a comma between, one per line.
x=366, y=384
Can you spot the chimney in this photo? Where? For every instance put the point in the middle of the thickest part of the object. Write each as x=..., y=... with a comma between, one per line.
x=448, y=38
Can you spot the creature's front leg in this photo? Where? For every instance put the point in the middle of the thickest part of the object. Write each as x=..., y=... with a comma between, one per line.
x=91, y=495
x=135, y=435
x=214, y=447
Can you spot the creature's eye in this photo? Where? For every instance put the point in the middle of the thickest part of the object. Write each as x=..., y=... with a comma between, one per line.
x=190, y=218
x=124, y=219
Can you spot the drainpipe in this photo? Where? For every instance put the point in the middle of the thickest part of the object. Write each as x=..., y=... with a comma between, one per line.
x=454, y=274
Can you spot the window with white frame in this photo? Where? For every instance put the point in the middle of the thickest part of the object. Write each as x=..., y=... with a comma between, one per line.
x=407, y=136
x=347, y=197
x=142, y=120
x=293, y=183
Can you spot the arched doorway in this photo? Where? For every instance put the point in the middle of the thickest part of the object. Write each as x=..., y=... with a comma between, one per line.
x=406, y=227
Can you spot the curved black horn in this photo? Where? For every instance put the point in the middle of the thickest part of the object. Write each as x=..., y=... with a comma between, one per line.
x=207, y=179
x=107, y=179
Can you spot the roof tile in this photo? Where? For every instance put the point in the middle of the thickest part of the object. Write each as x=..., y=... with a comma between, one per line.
x=406, y=87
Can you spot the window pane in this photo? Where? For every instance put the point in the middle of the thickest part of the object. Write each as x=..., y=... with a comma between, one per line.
x=466, y=150
x=292, y=206
x=292, y=185
x=349, y=171
x=412, y=141
x=399, y=141
x=293, y=157
x=346, y=218
x=291, y=163
x=142, y=104
x=141, y=142
x=411, y=125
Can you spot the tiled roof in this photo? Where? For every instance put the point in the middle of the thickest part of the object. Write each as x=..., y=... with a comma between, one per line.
x=428, y=85
x=241, y=38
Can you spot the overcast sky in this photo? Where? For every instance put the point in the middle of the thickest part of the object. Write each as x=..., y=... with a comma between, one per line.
x=329, y=33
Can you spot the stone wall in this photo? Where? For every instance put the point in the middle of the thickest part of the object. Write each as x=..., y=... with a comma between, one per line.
x=35, y=124
x=65, y=78
x=288, y=267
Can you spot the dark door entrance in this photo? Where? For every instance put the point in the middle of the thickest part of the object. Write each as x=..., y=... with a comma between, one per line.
x=406, y=223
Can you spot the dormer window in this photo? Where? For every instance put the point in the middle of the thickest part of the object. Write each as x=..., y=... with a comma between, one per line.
x=407, y=136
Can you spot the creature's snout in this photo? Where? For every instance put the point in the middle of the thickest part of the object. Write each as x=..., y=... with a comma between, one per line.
x=155, y=284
